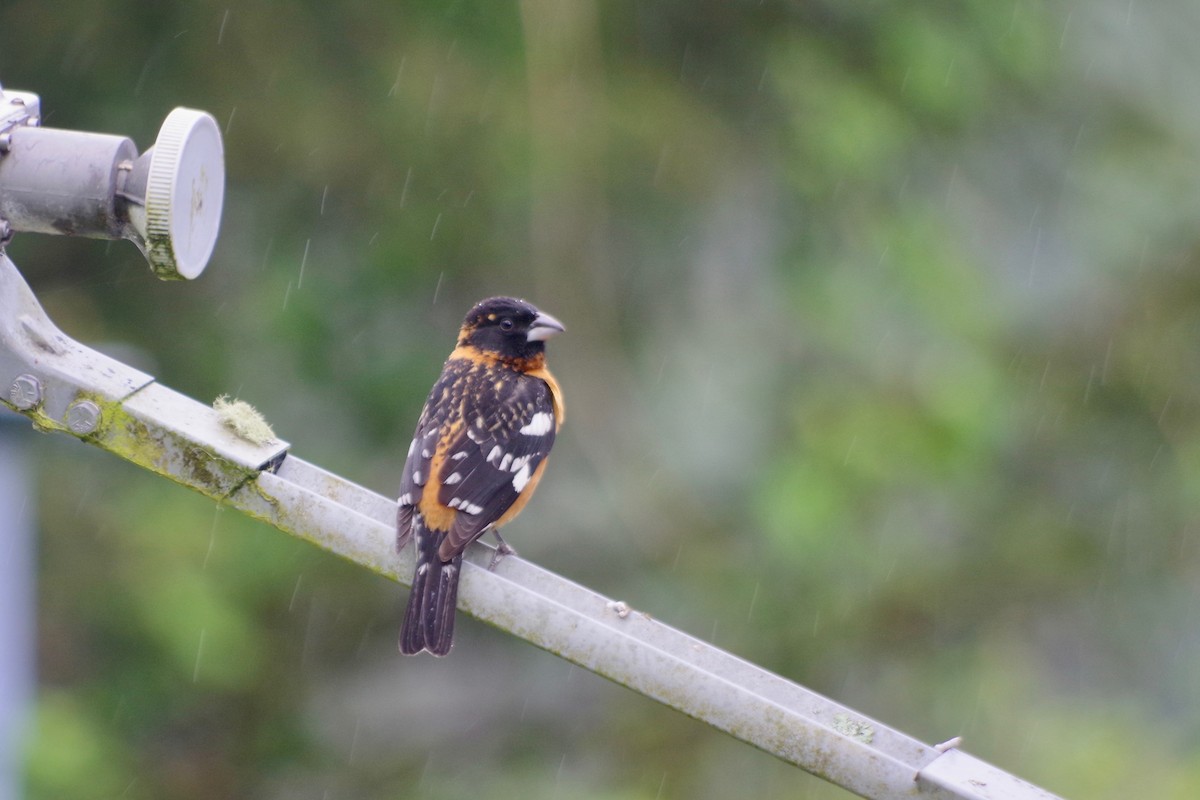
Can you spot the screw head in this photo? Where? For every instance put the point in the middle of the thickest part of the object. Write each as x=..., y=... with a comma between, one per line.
x=25, y=392
x=83, y=417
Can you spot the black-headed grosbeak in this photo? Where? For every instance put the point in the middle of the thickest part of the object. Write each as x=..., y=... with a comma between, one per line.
x=478, y=453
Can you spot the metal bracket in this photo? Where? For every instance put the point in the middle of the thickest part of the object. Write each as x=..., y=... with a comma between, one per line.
x=16, y=109
x=64, y=386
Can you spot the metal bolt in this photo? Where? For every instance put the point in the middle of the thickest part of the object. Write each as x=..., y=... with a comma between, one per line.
x=83, y=417
x=25, y=392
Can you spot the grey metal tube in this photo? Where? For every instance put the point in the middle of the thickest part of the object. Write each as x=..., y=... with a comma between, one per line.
x=65, y=182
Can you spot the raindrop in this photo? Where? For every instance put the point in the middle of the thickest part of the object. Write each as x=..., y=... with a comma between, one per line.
x=354, y=739
x=362, y=640
x=753, y=600
x=396, y=83
x=267, y=253
x=850, y=449
x=562, y=762
x=286, y=292
x=1107, y=359
x=303, y=261
x=295, y=592
x=437, y=289
x=1012, y=21
x=1066, y=26
x=950, y=182
x=663, y=153
x=1163, y=413
x=661, y=368
x=949, y=72
x=436, y=222
x=404, y=191
x=324, y=194
x=221, y=32
x=212, y=538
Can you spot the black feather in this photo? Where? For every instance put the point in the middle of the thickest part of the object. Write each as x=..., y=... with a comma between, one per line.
x=429, y=618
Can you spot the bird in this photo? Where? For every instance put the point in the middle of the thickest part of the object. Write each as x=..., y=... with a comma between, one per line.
x=476, y=457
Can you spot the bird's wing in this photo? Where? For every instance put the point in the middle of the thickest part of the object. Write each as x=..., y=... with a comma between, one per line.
x=508, y=429
x=441, y=407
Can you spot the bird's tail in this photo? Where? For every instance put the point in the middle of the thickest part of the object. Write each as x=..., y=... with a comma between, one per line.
x=429, y=619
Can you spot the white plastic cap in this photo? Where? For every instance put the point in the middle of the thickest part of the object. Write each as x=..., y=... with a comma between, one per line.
x=185, y=190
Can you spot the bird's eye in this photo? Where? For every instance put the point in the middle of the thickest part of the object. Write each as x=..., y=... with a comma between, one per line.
x=506, y=324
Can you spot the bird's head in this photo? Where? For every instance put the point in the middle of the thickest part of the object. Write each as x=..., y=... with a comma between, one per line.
x=509, y=329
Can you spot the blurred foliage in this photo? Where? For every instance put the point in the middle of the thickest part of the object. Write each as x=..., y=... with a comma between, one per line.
x=883, y=366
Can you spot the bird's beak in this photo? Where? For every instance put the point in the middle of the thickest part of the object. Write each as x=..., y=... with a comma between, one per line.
x=543, y=327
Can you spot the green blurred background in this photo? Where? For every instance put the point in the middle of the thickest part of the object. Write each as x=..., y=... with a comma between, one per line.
x=883, y=369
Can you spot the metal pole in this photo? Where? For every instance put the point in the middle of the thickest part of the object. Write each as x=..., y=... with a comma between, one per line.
x=16, y=599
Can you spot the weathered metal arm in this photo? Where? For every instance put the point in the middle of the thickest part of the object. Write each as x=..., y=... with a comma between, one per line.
x=63, y=386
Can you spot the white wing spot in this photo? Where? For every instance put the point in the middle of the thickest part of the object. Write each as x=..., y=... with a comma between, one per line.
x=477, y=438
x=417, y=478
x=494, y=454
x=539, y=425
x=412, y=446
x=521, y=479
x=452, y=479
x=465, y=506
x=519, y=463
x=405, y=499
x=425, y=453
x=505, y=462
x=459, y=456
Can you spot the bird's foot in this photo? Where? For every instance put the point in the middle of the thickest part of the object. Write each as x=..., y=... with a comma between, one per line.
x=503, y=550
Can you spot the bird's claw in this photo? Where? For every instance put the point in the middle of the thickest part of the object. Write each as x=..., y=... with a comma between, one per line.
x=503, y=550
